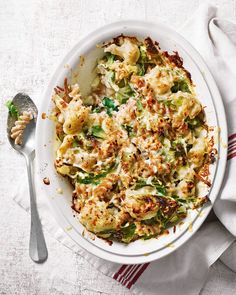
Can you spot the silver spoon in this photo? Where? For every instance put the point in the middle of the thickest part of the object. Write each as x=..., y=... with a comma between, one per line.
x=37, y=246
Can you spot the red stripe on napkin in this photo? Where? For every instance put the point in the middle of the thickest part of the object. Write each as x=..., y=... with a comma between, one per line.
x=232, y=142
x=127, y=275
x=139, y=273
x=131, y=274
x=124, y=274
x=120, y=271
x=232, y=136
x=231, y=156
x=231, y=148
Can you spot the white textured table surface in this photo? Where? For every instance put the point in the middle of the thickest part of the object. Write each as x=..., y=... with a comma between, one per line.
x=34, y=36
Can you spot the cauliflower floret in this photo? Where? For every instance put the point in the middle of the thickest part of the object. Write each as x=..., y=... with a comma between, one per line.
x=128, y=51
x=198, y=151
x=96, y=217
x=141, y=206
x=65, y=146
x=74, y=113
x=159, y=79
x=187, y=106
x=185, y=187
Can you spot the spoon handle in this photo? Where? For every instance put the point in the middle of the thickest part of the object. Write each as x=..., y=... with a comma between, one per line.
x=37, y=246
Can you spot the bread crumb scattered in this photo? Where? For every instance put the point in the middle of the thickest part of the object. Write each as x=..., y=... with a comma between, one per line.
x=44, y=116
x=59, y=190
x=46, y=180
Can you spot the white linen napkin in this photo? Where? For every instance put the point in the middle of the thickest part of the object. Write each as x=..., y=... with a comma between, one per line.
x=215, y=39
x=185, y=270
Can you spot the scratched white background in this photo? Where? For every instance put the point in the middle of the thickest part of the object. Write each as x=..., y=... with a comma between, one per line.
x=34, y=36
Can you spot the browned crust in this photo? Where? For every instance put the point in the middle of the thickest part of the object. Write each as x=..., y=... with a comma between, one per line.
x=201, y=202
x=212, y=151
x=152, y=48
x=177, y=61
x=204, y=172
x=67, y=88
x=119, y=40
x=74, y=198
x=199, y=177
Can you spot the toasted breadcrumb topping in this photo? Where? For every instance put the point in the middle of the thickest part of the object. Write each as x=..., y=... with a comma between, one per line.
x=136, y=147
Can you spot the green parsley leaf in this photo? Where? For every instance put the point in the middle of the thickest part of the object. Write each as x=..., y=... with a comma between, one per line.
x=74, y=144
x=128, y=128
x=143, y=54
x=150, y=221
x=180, y=85
x=124, y=94
x=193, y=123
x=128, y=231
x=109, y=105
x=95, y=179
x=141, y=69
x=139, y=105
x=140, y=183
x=110, y=58
x=97, y=110
x=12, y=109
x=98, y=132
x=161, y=190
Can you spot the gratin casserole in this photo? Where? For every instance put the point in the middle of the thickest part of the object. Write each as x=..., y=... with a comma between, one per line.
x=136, y=148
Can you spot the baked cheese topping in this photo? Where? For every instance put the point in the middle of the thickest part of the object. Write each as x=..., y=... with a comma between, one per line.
x=137, y=146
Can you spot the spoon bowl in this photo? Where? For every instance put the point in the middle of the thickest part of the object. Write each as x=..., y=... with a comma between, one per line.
x=22, y=102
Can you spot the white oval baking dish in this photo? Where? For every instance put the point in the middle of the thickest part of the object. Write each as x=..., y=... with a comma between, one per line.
x=139, y=251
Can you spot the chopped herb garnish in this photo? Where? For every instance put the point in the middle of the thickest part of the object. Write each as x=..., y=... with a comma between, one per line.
x=179, y=200
x=193, y=123
x=75, y=144
x=124, y=94
x=12, y=109
x=109, y=105
x=181, y=85
x=128, y=128
x=161, y=190
x=110, y=58
x=95, y=179
x=150, y=221
x=121, y=98
x=140, y=183
x=148, y=237
x=128, y=231
x=141, y=69
x=143, y=54
x=97, y=110
x=98, y=132
x=139, y=105
x=107, y=231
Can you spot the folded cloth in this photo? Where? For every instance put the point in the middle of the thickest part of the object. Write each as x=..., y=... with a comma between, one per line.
x=185, y=270
x=217, y=45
